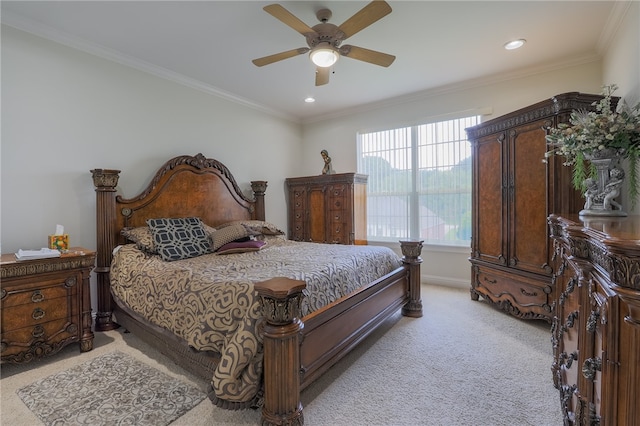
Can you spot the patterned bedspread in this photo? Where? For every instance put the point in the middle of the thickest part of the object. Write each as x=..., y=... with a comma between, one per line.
x=209, y=301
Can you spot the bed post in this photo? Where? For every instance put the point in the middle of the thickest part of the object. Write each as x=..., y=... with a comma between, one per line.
x=105, y=182
x=280, y=299
x=411, y=251
x=259, y=187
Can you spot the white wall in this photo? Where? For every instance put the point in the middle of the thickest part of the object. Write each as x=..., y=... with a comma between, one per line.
x=448, y=266
x=65, y=112
x=621, y=65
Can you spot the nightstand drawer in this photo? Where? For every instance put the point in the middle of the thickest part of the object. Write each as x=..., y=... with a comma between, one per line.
x=34, y=313
x=18, y=296
x=16, y=341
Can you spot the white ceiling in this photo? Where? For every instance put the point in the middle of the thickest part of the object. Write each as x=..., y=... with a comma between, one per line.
x=210, y=44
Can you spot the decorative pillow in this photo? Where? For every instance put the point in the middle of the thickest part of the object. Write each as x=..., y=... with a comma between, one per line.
x=142, y=237
x=208, y=229
x=228, y=234
x=257, y=227
x=241, y=247
x=179, y=238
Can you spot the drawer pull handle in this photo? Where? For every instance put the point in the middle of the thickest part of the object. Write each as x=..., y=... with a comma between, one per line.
x=592, y=322
x=526, y=293
x=590, y=366
x=38, y=331
x=38, y=314
x=490, y=281
x=37, y=296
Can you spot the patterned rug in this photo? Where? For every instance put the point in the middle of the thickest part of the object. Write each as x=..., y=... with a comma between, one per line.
x=112, y=389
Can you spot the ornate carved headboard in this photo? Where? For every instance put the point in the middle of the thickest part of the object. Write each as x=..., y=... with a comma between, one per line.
x=184, y=186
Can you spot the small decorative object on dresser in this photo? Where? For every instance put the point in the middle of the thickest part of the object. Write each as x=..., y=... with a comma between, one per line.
x=328, y=208
x=595, y=331
x=45, y=304
x=328, y=168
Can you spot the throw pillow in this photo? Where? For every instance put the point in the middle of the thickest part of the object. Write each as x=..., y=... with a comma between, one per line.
x=228, y=234
x=179, y=238
x=142, y=237
x=241, y=247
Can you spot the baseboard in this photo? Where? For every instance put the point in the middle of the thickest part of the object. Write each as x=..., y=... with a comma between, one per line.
x=445, y=281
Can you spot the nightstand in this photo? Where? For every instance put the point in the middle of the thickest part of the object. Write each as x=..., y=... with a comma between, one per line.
x=45, y=304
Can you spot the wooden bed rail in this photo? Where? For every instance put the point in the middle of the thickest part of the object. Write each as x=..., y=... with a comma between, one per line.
x=284, y=332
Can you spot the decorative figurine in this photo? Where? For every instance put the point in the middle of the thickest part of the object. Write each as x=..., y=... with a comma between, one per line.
x=328, y=168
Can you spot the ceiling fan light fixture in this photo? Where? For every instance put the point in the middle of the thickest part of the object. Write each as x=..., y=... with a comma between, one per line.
x=324, y=57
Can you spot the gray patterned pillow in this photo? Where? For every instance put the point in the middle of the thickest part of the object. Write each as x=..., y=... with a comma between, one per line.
x=179, y=238
x=228, y=234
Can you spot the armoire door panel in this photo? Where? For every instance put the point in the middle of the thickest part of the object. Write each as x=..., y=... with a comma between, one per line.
x=489, y=238
x=529, y=248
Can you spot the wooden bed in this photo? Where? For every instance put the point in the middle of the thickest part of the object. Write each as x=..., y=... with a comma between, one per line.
x=296, y=350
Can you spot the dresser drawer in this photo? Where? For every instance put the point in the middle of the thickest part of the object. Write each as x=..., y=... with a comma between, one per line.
x=520, y=293
x=47, y=334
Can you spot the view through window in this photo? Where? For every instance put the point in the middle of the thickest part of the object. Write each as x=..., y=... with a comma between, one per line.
x=419, y=182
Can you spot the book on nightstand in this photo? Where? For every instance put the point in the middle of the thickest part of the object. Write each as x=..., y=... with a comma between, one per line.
x=43, y=253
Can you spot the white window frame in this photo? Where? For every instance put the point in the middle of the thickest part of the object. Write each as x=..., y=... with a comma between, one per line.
x=413, y=194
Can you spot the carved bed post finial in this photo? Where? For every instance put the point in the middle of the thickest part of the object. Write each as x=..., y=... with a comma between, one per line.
x=105, y=182
x=280, y=299
x=411, y=251
x=259, y=187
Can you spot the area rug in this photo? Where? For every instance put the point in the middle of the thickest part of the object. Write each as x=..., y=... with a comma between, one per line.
x=112, y=389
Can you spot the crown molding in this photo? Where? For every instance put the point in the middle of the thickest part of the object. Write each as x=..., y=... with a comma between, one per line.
x=460, y=86
x=65, y=39
x=617, y=15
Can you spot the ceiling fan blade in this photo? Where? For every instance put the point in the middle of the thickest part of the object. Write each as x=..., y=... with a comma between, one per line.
x=266, y=60
x=288, y=18
x=365, y=17
x=322, y=75
x=366, y=55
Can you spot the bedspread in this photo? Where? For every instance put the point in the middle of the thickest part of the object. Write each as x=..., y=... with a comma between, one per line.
x=209, y=301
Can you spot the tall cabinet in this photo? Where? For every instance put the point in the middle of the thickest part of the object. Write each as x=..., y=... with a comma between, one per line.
x=328, y=208
x=514, y=191
x=596, y=325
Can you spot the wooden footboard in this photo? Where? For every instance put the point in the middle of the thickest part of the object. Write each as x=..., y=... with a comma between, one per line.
x=296, y=352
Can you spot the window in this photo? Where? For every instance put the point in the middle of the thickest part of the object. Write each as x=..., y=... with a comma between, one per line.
x=419, y=182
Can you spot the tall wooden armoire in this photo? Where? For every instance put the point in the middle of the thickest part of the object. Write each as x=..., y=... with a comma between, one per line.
x=514, y=191
x=328, y=208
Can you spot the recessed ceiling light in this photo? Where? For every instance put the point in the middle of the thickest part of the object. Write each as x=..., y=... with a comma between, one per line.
x=309, y=100
x=515, y=44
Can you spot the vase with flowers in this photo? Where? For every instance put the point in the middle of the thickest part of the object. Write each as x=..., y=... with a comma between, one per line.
x=594, y=143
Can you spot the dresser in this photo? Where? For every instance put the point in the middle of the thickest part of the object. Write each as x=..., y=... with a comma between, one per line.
x=328, y=208
x=513, y=193
x=45, y=305
x=596, y=319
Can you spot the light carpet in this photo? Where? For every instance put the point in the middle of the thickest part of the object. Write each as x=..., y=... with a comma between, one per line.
x=463, y=363
x=111, y=389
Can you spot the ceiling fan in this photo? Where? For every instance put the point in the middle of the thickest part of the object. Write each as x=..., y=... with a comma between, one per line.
x=325, y=39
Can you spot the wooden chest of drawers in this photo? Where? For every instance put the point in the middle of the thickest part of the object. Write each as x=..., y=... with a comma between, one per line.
x=45, y=304
x=328, y=208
